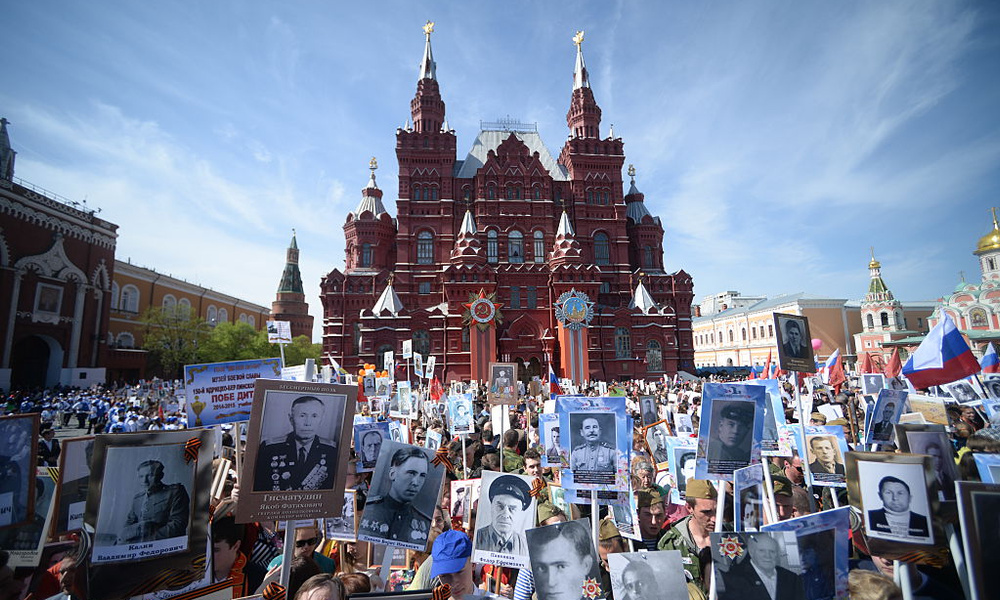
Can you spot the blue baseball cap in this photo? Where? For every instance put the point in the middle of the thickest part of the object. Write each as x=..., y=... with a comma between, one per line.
x=450, y=552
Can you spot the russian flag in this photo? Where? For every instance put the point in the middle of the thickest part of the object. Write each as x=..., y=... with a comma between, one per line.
x=990, y=363
x=827, y=369
x=941, y=358
x=554, y=388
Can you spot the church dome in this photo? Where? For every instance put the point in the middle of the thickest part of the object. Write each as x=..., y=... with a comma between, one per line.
x=990, y=241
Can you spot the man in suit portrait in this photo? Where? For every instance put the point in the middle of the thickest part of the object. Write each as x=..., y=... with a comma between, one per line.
x=792, y=342
x=895, y=518
x=882, y=431
x=160, y=511
x=594, y=454
x=510, y=497
x=823, y=449
x=300, y=461
x=555, y=449
x=48, y=449
x=762, y=578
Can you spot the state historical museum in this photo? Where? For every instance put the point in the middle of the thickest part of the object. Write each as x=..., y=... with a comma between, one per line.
x=511, y=220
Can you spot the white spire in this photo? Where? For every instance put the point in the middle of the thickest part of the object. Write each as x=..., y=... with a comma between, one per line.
x=372, y=165
x=642, y=299
x=580, y=78
x=388, y=301
x=428, y=68
x=468, y=224
x=565, y=228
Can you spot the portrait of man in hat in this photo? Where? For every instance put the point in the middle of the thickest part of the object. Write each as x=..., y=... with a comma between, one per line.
x=731, y=432
x=300, y=460
x=501, y=528
x=159, y=511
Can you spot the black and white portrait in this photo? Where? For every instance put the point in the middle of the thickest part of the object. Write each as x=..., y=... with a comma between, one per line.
x=936, y=445
x=648, y=411
x=872, y=383
x=145, y=504
x=369, y=384
x=463, y=497
x=819, y=568
x=980, y=526
x=344, y=527
x=732, y=435
x=300, y=435
x=894, y=501
x=594, y=458
x=460, y=413
x=368, y=439
x=418, y=364
x=826, y=461
x=657, y=437
x=683, y=424
x=648, y=576
x=991, y=385
x=551, y=439
x=383, y=386
x=503, y=383
x=404, y=491
x=683, y=466
x=506, y=511
x=18, y=439
x=768, y=569
x=25, y=542
x=885, y=415
x=564, y=561
x=433, y=441
x=795, y=352
x=962, y=391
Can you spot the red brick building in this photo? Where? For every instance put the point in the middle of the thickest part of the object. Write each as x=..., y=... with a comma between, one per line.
x=511, y=219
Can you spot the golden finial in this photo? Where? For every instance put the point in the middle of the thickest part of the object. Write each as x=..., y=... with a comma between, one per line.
x=429, y=29
x=995, y=225
x=373, y=164
x=631, y=170
x=392, y=276
x=874, y=264
x=578, y=38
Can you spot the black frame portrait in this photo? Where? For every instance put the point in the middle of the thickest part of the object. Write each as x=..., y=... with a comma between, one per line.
x=979, y=515
x=917, y=438
x=787, y=359
x=19, y=433
x=648, y=417
x=71, y=494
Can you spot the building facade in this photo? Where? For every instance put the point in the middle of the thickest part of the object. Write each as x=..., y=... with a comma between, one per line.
x=56, y=267
x=290, y=303
x=512, y=220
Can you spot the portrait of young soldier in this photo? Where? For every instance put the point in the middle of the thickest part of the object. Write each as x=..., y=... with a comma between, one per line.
x=563, y=558
x=159, y=511
x=404, y=491
x=302, y=459
x=657, y=440
x=732, y=433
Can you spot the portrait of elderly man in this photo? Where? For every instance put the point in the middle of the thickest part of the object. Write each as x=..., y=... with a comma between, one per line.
x=895, y=519
x=563, y=558
x=393, y=515
x=510, y=498
x=371, y=443
x=763, y=578
x=300, y=460
x=461, y=419
x=824, y=449
x=595, y=453
x=160, y=511
x=731, y=437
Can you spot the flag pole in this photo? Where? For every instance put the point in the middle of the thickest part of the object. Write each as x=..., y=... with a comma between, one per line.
x=802, y=432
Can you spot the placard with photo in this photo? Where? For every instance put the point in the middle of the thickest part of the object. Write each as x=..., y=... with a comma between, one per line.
x=962, y=391
x=748, y=498
x=418, y=364
x=626, y=517
x=429, y=367
x=774, y=416
x=398, y=432
x=824, y=544
x=24, y=543
x=464, y=496
x=564, y=561
x=600, y=442
x=648, y=575
x=506, y=511
x=298, y=443
x=383, y=387
x=891, y=492
x=407, y=349
x=657, y=437
x=683, y=464
x=979, y=515
x=795, y=351
x=433, y=440
x=988, y=466
x=991, y=385
x=683, y=424
x=933, y=441
x=884, y=415
x=344, y=527
x=557, y=496
x=502, y=387
x=825, y=449
x=18, y=460
x=460, y=415
x=401, y=404
x=732, y=423
x=931, y=407
x=368, y=438
x=739, y=559
x=872, y=383
x=550, y=439
x=648, y=410
x=74, y=478
x=404, y=491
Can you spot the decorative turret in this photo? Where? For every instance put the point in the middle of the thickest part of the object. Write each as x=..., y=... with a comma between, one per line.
x=427, y=108
x=880, y=310
x=371, y=196
x=645, y=232
x=369, y=230
x=642, y=299
x=566, y=249
x=291, y=278
x=878, y=291
x=635, y=207
x=290, y=302
x=584, y=116
x=388, y=301
x=468, y=249
x=7, y=153
x=988, y=251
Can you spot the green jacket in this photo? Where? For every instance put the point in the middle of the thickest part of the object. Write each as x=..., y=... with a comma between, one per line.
x=512, y=461
x=679, y=538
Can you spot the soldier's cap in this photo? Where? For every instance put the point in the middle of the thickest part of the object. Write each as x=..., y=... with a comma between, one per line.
x=738, y=411
x=701, y=488
x=607, y=530
x=841, y=422
x=547, y=510
x=647, y=498
x=818, y=416
x=450, y=552
x=782, y=486
x=511, y=485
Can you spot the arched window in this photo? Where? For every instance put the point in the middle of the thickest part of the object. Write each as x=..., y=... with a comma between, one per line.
x=114, y=295
x=590, y=196
x=415, y=195
x=422, y=342
x=243, y=318
x=536, y=192
x=647, y=256
x=125, y=340
x=744, y=333
x=870, y=321
x=515, y=247
x=466, y=193
x=977, y=317
x=491, y=191
x=223, y=315
x=425, y=248
x=366, y=254
x=169, y=302
x=753, y=332
x=251, y=321
x=654, y=356
x=602, y=249
x=539, y=249
x=492, y=253
x=884, y=317
x=434, y=193
x=184, y=307
x=623, y=343
x=213, y=315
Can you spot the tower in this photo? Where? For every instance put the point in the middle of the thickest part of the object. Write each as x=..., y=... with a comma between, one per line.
x=988, y=251
x=7, y=153
x=880, y=310
x=290, y=303
x=645, y=232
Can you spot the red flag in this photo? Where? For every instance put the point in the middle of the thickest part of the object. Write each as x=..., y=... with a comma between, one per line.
x=894, y=366
x=837, y=375
x=767, y=367
x=866, y=364
x=436, y=389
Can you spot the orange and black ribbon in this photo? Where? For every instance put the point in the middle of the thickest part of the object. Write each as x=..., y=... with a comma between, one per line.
x=441, y=458
x=274, y=591
x=191, y=448
x=441, y=592
x=537, y=487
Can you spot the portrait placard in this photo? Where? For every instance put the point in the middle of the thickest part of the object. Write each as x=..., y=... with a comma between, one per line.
x=872, y=383
x=824, y=543
x=503, y=383
x=48, y=303
x=418, y=364
x=648, y=411
x=404, y=492
x=738, y=559
x=656, y=439
x=991, y=385
x=825, y=449
x=732, y=422
x=988, y=466
x=683, y=424
x=683, y=465
x=24, y=543
x=795, y=351
x=401, y=406
x=279, y=332
x=74, y=478
x=891, y=492
x=433, y=441
x=223, y=392
x=389, y=363
x=979, y=515
x=368, y=438
x=460, y=415
x=962, y=391
x=774, y=417
x=18, y=441
x=933, y=441
x=550, y=440
x=407, y=349
x=464, y=496
x=506, y=511
x=748, y=498
x=600, y=436
x=398, y=432
x=298, y=443
x=648, y=575
x=345, y=527
x=884, y=415
x=564, y=561
x=626, y=517
x=429, y=367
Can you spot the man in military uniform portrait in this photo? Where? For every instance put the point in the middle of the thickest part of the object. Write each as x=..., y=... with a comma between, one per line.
x=510, y=498
x=461, y=420
x=371, y=442
x=657, y=440
x=392, y=513
x=595, y=453
x=731, y=437
x=649, y=413
x=160, y=511
x=300, y=460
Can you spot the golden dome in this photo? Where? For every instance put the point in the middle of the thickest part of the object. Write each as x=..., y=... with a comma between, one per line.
x=990, y=241
x=874, y=264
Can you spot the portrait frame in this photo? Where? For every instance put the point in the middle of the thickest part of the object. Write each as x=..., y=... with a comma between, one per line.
x=731, y=561
x=486, y=517
x=614, y=445
x=366, y=463
x=552, y=456
x=991, y=385
x=680, y=454
x=918, y=438
x=801, y=360
x=48, y=303
x=19, y=442
x=335, y=528
x=626, y=517
x=683, y=425
x=748, y=488
x=876, y=432
x=988, y=466
x=316, y=493
x=835, y=435
x=418, y=365
x=872, y=383
x=372, y=528
x=649, y=412
x=71, y=492
x=774, y=417
x=662, y=571
x=962, y=391
x=649, y=437
x=433, y=440
x=539, y=540
x=718, y=399
x=503, y=393
x=979, y=516
x=807, y=528
x=461, y=514
x=457, y=425
x=25, y=543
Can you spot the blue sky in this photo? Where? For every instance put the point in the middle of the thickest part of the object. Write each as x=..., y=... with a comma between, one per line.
x=776, y=140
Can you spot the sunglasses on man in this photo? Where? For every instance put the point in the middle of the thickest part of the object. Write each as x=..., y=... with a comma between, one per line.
x=303, y=543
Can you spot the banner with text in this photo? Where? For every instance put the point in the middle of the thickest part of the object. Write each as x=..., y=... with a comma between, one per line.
x=223, y=392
